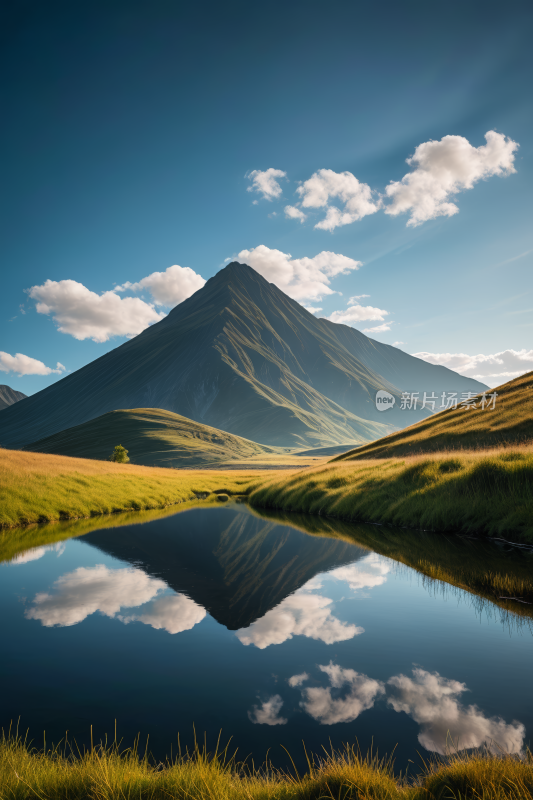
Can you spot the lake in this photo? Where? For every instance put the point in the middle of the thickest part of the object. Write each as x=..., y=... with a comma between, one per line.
x=216, y=618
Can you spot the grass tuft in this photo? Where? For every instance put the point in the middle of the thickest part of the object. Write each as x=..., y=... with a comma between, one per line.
x=109, y=773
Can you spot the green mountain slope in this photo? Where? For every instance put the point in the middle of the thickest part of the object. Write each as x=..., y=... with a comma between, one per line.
x=154, y=438
x=510, y=422
x=241, y=356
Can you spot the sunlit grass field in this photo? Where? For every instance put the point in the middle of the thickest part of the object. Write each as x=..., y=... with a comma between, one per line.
x=106, y=773
x=489, y=492
x=35, y=487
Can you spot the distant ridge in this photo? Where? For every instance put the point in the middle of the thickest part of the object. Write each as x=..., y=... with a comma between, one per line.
x=243, y=357
x=8, y=396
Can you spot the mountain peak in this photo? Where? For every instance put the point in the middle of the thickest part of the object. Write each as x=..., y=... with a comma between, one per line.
x=242, y=356
x=237, y=269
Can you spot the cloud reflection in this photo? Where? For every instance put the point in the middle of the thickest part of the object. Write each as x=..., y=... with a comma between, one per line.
x=173, y=613
x=81, y=593
x=34, y=553
x=432, y=701
x=300, y=614
x=329, y=707
x=268, y=712
x=365, y=574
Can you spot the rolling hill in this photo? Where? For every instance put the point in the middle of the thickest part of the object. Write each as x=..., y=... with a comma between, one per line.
x=241, y=356
x=509, y=423
x=154, y=438
x=8, y=396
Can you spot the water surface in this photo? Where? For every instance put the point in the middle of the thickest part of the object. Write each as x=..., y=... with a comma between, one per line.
x=218, y=618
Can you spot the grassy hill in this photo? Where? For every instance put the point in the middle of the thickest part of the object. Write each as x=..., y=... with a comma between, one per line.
x=509, y=423
x=154, y=438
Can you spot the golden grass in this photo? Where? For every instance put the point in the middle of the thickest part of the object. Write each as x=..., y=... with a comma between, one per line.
x=35, y=487
x=106, y=773
x=489, y=493
x=510, y=423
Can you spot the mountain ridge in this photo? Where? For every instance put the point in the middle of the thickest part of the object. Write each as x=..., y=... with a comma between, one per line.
x=9, y=396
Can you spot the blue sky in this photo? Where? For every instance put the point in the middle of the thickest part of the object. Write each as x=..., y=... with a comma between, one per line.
x=132, y=130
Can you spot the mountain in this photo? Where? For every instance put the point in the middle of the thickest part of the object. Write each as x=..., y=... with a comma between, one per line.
x=236, y=565
x=154, y=438
x=8, y=396
x=509, y=422
x=242, y=356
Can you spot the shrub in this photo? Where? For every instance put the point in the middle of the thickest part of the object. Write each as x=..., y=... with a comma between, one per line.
x=120, y=455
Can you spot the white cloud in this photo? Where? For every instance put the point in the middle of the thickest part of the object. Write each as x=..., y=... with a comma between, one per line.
x=326, y=184
x=432, y=701
x=395, y=344
x=313, y=309
x=361, y=693
x=364, y=574
x=268, y=712
x=354, y=314
x=355, y=299
x=444, y=168
x=297, y=680
x=172, y=613
x=89, y=589
x=168, y=288
x=300, y=614
x=379, y=328
x=24, y=365
x=265, y=182
x=86, y=315
x=494, y=369
x=291, y=212
x=300, y=278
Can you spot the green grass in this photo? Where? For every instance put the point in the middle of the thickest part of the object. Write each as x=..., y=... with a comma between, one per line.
x=509, y=423
x=35, y=487
x=107, y=773
x=487, y=493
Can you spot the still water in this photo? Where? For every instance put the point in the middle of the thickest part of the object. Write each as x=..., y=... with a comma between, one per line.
x=219, y=619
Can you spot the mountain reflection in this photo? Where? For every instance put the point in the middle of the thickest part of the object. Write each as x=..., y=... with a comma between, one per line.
x=236, y=566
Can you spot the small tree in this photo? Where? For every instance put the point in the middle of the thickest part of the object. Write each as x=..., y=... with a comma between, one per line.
x=120, y=455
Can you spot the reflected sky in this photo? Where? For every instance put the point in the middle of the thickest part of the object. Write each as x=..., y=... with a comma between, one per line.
x=336, y=643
